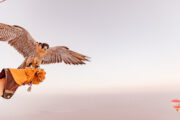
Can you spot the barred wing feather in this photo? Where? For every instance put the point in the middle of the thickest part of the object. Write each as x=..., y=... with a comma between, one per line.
x=18, y=38
x=61, y=53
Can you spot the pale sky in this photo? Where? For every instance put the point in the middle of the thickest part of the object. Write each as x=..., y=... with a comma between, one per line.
x=134, y=71
x=133, y=44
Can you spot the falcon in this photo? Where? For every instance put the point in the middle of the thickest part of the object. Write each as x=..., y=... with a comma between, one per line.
x=36, y=53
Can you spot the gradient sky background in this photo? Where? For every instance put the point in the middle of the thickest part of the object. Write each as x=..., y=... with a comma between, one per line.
x=134, y=45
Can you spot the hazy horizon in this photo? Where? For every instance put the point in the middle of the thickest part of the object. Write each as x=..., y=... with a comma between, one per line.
x=129, y=106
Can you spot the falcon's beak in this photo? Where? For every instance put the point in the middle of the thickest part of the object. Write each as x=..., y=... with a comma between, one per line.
x=45, y=48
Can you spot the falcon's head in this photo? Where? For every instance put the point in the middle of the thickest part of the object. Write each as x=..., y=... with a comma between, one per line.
x=42, y=47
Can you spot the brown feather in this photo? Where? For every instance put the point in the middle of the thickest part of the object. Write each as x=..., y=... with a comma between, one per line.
x=61, y=53
x=18, y=38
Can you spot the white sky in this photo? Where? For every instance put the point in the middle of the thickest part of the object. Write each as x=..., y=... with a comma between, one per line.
x=133, y=44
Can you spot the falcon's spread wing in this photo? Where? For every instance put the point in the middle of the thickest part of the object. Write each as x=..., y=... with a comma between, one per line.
x=19, y=38
x=61, y=53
